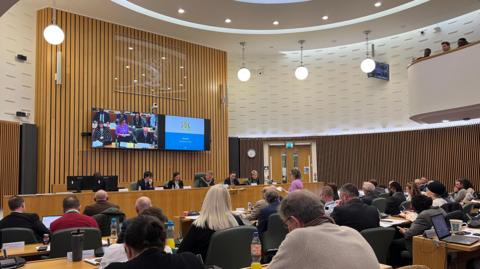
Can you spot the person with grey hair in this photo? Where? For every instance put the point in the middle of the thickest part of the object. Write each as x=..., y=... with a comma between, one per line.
x=302, y=212
x=352, y=212
x=369, y=193
x=273, y=200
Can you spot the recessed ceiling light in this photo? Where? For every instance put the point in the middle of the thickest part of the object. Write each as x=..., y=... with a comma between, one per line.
x=135, y=81
x=181, y=10
x=128, y=66
x=163, y=58
x=325, y=18
x=181, y=67
x=227, y=20
x=378, y=4
x=116, y=78
x=181, y=85
x=185, y=77
x=143, y=75
x=275, y=22
x=130, y=48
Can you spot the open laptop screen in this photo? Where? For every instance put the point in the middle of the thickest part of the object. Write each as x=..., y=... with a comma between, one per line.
x=47, y=220
x=440, y=226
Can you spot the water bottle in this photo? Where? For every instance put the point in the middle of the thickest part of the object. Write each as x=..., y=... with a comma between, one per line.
x=170, y=234
x=256, y=251
x=113, y=231
x=77, y=245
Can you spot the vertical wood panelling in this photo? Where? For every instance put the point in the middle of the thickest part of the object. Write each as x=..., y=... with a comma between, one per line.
x=9, y=157
x=89, y=65
x=444, y=154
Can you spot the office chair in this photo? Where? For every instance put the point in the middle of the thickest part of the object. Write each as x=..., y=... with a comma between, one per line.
x=380, y=204
x=9, y=235
x=61, y=241
x=379, y=239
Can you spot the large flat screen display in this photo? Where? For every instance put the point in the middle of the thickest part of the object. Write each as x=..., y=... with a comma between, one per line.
x=184, y=133
x=123, y=129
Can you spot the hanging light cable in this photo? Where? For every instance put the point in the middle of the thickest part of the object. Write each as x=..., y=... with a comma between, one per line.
x=243, y=73
x=367, y=65
x=53, y=34
x=301, y=72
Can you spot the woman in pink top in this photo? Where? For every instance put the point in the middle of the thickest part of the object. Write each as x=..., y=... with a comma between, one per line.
x=295, y=176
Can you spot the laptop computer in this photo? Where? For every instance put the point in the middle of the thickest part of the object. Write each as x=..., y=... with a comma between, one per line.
x=443, y=232
x=47, y=220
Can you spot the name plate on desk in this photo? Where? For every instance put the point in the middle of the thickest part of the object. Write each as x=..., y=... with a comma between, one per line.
x=253, y=184
x=159, y=188
x=85, y=254
x=187, y=187
x=123, y=190
x=13, y=245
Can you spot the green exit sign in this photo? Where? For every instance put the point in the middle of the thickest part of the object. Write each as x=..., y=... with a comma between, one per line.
x=289, y=145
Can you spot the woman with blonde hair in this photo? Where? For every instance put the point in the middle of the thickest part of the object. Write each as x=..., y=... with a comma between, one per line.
x=215, y=215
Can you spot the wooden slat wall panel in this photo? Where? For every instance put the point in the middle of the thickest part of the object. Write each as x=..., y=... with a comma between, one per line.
x=444, y=154
x=247, y=164
x=88, y=67
x=9, y=157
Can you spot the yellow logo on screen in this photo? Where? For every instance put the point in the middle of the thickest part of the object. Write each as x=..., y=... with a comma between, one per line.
x=185, y=125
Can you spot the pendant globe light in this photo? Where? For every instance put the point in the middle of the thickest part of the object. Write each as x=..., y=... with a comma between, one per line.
x=367, y=65
x=243, y=73
x=53, y=34
x=301, y=73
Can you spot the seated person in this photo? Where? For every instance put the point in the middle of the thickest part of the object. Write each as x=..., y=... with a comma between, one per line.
x=437, y=191
x=422, y=205
x=141, y=204
x=215, y=215
x=122, y=132
x=101, y=204
x=462, y=41
x=342, y=247
x=461, y=189
x=102, y=134
x=334, y=189
x=273, y=200
x=327, y=199
x=352, y=212
x=253, y=178
x=146, y=183
x=72, y=217
x=102, y=116
x=145, y=243
x=445, y=46
x=116, y=252
x=379, y=190
x=176, y=181
x=396, y=198
x=206, y=181
x=369, y=193
x=412, y=189
x=19, y=219
x=426, y=53
x=152, y=121
x=231, y=179
x=421, y=184
x=145, y=136
x=137, y=121
x=259, y=205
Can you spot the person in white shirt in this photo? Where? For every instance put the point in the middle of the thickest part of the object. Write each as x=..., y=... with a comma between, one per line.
x=327, y=198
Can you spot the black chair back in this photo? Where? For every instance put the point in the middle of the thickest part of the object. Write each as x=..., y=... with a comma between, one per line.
x=451, y=207
x=379, y=239
x=9, y=235
x=380, y=204
x=458, y=214
x=61, y=241
x=230, y=248
x=275, y=234
x=104, y=219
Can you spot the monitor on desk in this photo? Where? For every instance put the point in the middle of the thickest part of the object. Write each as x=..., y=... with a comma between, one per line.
x=79, y=183
x=47, y=220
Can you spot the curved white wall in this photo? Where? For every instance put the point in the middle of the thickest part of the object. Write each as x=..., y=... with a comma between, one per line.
x=449, y=81
x=336, y=98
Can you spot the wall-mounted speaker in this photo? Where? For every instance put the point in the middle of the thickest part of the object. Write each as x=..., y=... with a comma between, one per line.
x=21, y=58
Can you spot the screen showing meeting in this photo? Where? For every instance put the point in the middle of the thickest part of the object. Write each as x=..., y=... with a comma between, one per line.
x=134, y=130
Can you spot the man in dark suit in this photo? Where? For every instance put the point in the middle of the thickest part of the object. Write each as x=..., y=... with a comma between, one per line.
x=231, y=180
x=19, y=219
x=102, y=116
x=146, y=183
x=352, y=212
x=145, y=136
x=101, y=204
x=273, y=199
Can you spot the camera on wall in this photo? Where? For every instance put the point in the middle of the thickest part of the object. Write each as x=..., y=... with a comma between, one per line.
x=154, y=106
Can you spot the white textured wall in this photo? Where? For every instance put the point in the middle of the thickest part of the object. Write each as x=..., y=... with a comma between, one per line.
x=336, y=98
x=17, y=79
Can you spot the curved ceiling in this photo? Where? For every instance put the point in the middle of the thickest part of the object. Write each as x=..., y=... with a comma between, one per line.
x=260, y=16
x=289, y=17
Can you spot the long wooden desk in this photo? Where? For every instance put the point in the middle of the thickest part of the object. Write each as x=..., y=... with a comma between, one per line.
x=172, y=202
x=433, y=253
x=27, y=251
x=60, y=263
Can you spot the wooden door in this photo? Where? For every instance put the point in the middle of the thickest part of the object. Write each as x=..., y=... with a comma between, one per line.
x=283, y=160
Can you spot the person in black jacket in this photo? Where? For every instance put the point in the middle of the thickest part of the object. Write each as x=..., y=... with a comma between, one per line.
x=396, y=198
x=354, y=213
x=146, y=183
x=273, y=199
x=176, y=181
x=231, y=179
x=19, y=219
x=369, y=192
x=145, y=136
x=145, y=242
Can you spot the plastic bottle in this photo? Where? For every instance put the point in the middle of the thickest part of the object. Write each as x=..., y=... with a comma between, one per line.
x=113, y=231
x=256, y=251
x=170, y=234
